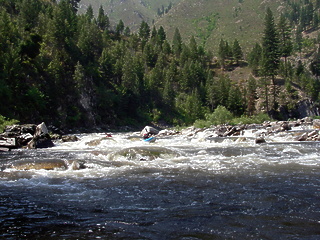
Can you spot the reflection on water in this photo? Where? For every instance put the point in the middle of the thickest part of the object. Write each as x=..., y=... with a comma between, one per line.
x=171, y=189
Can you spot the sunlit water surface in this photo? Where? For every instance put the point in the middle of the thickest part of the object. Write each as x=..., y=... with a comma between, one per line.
x=175, y=188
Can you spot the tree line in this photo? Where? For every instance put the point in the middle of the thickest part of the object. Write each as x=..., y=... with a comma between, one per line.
x=74, y=70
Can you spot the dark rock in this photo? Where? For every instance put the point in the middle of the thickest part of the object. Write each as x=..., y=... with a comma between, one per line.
x=285, y=126
x=260, y=140
x=43, y=141
x=41, y=138
x=21, y=129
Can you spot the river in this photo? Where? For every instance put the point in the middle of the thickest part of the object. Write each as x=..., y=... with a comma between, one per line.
x=175, y=188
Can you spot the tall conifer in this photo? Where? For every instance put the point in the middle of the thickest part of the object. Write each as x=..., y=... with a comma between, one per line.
x=271, y=55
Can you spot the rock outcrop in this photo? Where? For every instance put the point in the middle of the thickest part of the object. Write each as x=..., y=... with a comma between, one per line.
x=26, y=135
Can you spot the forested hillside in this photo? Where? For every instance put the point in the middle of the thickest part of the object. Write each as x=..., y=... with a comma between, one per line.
x=74, y=69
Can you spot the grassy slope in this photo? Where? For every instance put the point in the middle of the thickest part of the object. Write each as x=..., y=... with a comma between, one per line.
x=131, y=12
x=207, y=20
x=211, y=20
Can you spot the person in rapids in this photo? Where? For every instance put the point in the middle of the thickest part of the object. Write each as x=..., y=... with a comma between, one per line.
x=148, y=132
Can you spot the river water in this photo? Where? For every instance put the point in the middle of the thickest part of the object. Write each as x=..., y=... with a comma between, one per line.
x=174, y=188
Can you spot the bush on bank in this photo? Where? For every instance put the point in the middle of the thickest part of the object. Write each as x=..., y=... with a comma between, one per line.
x=5, y=122
x=222, y=115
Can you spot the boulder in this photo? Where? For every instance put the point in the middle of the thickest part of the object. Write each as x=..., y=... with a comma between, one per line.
x=303, y=137
x=43, y=141
x=41, y=138
x=148, y=129
x=316, y=123
x=38, y=165
x=41, y=129
x=260, y=140
x=48, y=164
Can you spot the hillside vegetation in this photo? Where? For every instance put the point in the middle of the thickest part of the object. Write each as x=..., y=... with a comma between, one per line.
x=207, y=21
x=131, y=12
x=74, y=69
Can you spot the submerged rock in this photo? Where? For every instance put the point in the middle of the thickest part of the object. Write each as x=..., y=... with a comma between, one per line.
x=38, y=165
x=69, y=138
x=143, y=153
x=260, y=140
x=98, y=141
x=48, y=164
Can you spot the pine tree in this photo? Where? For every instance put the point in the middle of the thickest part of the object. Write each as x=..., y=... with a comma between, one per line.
x=254, y=58
x=285, y=43
x=222, y=52
x=271, y=55
x=235, y=101
x=177, y=42
x=161, y=35
x=102, y=20
x=144, y=33
x=237, y=51
x=298, y=39
x=251, y=95
x=120, y=28
x=89, y=12
x=193, y=49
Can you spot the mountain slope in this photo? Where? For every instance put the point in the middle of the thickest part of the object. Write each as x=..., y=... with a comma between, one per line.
x=131, y=12
x=209, y=21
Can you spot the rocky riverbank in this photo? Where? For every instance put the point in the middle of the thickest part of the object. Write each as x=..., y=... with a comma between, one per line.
x=309, y=130
x=38, y=136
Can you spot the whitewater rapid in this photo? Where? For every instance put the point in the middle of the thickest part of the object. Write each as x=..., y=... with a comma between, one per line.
x=179, y=187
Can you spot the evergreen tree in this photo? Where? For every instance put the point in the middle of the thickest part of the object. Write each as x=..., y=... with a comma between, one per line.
x=127, y=32
x=150, y=55
x=193, y=49
x=177, y=42
x=119, y=28
x=285, y=43
x=144, y=33
x=235, y=101
x=161, y=35
x=90, y=42
x=222, y=52
x=315, y=20
x=271, y=55
x=254, y=57
x=89, y=12
x=237, y=51
x=102, y=20
x=251, y=95
x=298, y=39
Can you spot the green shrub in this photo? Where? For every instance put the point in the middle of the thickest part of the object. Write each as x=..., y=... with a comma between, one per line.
x=221, y=115
x=201, y=123
x=259, y=118
x=5, y=122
